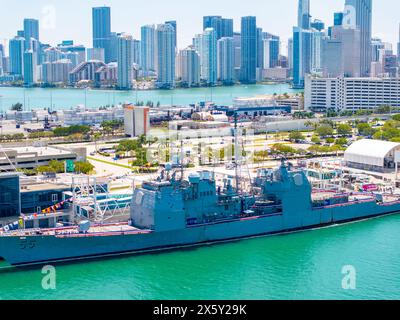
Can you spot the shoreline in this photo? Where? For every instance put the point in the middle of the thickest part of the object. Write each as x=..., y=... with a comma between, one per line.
x=150, y=89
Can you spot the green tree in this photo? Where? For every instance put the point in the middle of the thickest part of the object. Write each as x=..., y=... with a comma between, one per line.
x=344, y=129
x=365, y=129
x=17, y=107
x=296, y=135
x=315, y=139
x=83, y=167
x=324, y=130
x=341, y=141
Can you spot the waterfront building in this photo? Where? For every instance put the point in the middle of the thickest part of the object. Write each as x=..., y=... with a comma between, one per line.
x=317, y=25
x=226, y=28
x=302, y=55
x=137, y=120
x=271, y=52
x=95, y=54
x=125, y=62
x=303, y=14
x=290, y=54
x=52, y=54
x=2, y=56
x=16, y=50
x=248, y=50
x=56, y=71
x=166, y=56
x=136, y=52
x=189, y=67
x=114, y=46
x=82, y=116
x=75, y=53
x=31, y=31
x=351, y=93
x=363, y=22
x=86, y=71
x=223, y=27
x=148, y=52
x=209, y=57
x=173, y=23
x=30, y=68
x=260, y=51
x=225, y=60
x=237, y=48
x=101, y=21
x=107, y=75
x=277, y=73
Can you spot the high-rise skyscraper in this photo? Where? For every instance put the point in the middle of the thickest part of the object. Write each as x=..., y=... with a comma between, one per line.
x=248, y=50
x=226, y=60
x=101, y=20
x=31, y=30
x=114, y=46
x=30, y=68
x=95, y=54
x=209, y=56
x=165, y=42
x=303, y=18
x=148, y=40
x=338, y=18
x=317, y=25
x=290, y=54
x=226, y=28
x=2, y=55
x=16, y=51
x=125, y=73
x=260, y=48
x=174, y=25
x=271, y=52
x=350, y=46
x=363, y=21
x=223, y=27
x=136, y=51
x=302, y=55
x=189, y=67
x=398, y=49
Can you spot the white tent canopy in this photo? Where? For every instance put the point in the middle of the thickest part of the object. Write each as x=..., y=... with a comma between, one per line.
x=370, y=152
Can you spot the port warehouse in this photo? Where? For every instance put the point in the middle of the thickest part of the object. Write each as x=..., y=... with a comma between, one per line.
x=373, y=155
x=31, y=157
x=321, y=94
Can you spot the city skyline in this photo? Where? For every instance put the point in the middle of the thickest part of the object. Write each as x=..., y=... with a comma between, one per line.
x=55, y=18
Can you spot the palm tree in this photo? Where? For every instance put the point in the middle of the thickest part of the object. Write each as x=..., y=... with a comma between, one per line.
x=96, y=137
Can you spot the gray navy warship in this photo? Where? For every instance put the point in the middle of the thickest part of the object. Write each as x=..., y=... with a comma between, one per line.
x=170, y=212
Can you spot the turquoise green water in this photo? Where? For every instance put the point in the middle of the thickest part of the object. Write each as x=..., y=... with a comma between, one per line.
x=65, y=98
x=305, y=265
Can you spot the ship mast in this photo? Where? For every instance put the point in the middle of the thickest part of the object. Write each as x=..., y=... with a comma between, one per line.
x=235, y=115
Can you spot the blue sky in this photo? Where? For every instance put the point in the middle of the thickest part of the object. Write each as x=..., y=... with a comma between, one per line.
x=71, y=19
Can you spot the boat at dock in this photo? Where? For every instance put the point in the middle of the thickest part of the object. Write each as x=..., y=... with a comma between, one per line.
x=171, y=212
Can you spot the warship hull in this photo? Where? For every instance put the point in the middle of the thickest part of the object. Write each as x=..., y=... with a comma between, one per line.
x=40, y=249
